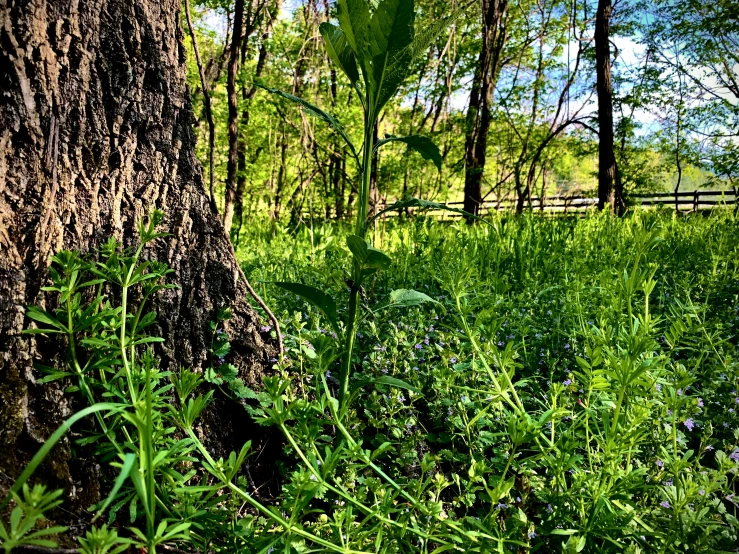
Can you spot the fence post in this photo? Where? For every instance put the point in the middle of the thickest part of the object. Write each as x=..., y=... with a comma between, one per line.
x=695, y=200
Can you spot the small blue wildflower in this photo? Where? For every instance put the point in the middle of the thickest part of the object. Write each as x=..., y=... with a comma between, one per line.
x=567, y=382
x=418, y=346
x=265, y=328
x=665, y=504
x=689, y=424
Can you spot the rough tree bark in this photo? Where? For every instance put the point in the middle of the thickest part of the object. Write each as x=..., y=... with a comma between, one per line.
x=610, y=189
x=481, y=97
x=95, y=129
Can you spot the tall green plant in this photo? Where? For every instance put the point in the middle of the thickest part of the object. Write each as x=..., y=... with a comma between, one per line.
x=373, y=46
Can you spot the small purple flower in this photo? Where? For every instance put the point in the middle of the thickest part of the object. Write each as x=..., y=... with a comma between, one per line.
x=710, y=447
x=679, y=392
x=665, y=504
x=735, y=455
x=667, y=482
x=702, y=492
x=532, y=535
x=452, y=360
x=502, y=506
x=418, y=346
x=265, y=328
x=689, y=424
x=700, y=402
x=658, y=387
x=567, y=346
x=669, y=412
x=660, y=463
x=549, y=508
x=736, y=400
x=567, y=382
x=328, y=374
x=501, y=344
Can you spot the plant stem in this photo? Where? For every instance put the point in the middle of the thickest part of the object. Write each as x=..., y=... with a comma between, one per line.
x=361, y=230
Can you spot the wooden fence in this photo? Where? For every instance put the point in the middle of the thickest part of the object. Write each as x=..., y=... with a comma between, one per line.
x=692, y=201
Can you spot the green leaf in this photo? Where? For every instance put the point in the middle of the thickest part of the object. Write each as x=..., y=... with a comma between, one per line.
x=405, y=298
x=339, y=51
x=367, y=255
x=357, y=246
x=393, y=382
x=424, y=205
x=315, y=111
x=354, y=18
x=423, y=145
x=377, y=258
x=128, y=463
x=37, y=314
x=390, y=34
x=318, y=298
x=52, y=440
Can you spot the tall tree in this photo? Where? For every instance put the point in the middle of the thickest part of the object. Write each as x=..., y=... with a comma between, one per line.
x=233, y=114
x=481, y=96
x=97, y=128
x=610, y=189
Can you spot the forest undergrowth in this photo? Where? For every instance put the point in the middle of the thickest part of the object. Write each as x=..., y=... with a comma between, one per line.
x=526, y=384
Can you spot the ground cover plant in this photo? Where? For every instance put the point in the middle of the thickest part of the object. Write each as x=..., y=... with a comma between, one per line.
x=572, y=388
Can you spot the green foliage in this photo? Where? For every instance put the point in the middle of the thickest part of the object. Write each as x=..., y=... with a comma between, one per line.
x=570, y=388
x=26, y=515
x=560, y=386
x=382, y=43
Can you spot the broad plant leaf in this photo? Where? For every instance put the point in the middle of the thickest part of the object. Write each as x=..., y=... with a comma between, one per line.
x=354, y=19
x=366, y=254
x=358, y=246
x=315, y=111
x=339, y=50
x=377, y=258
x=424, y=205
x=318, y=298
x=423, y=145
x=391, y=32
x=404, y=298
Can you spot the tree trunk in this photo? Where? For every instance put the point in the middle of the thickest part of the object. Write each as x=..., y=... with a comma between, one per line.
x=96, y=129
x=610, y=190
x=481, y=97
x=233, y=116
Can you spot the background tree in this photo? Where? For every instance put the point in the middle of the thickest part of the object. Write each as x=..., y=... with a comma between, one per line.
x=610, y=189
x=494, y=14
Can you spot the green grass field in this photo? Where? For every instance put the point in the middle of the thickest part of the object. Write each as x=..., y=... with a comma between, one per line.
x=573, y=386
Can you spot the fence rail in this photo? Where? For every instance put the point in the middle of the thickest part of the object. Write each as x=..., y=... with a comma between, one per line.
x=691, y=201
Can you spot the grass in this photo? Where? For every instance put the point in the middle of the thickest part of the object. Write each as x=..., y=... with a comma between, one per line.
x=568, y=385
x=618, y=429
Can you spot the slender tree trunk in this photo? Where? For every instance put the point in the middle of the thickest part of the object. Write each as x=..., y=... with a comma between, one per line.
x=610, y=191
x=100, y=85
x=206, y=106
x=481, y=96
x=233, y=116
